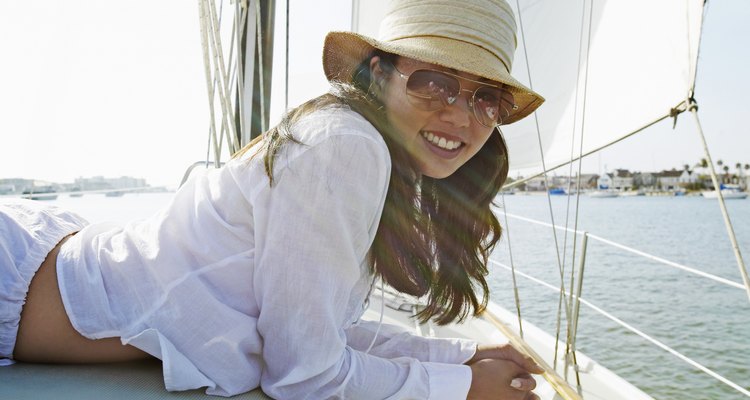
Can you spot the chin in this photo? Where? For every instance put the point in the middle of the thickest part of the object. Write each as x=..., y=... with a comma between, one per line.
x=438, y=174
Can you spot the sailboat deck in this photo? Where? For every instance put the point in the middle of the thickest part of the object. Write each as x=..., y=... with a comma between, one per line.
x=597, y=382
x=143, y=379
x=116, y=381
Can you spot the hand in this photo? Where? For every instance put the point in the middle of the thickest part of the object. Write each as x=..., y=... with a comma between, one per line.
x=491, y=379
x=522, y=380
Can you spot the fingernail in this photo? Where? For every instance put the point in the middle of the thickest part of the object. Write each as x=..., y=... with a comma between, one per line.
x=515, y=383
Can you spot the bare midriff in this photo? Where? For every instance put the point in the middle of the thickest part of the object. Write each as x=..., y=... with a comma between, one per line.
x=45, y=333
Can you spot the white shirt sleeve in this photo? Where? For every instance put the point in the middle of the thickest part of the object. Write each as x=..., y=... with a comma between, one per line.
x=394, y=341
x=313, y=231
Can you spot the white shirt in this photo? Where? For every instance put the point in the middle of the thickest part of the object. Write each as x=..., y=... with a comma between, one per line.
x=238, y=284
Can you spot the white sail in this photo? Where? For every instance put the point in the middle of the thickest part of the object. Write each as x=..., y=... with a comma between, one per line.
x=640, y=63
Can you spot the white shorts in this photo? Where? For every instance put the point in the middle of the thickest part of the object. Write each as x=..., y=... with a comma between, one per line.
x=29, y=230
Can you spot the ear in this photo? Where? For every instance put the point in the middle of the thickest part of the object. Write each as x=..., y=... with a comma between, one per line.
x=377, y=75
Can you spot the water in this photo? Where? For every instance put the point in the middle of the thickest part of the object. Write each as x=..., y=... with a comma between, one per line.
x=700, y=318
x=704, y=320
x=129, y=207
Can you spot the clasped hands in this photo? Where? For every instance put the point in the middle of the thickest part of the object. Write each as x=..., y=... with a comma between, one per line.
x=501, y=372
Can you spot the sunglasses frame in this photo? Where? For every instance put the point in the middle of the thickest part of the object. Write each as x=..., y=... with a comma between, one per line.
x=461, y=89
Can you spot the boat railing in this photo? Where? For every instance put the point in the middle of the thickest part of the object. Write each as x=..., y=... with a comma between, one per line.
x=576, y=299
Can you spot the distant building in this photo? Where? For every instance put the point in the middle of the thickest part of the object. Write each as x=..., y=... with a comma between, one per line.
x=536, y=184
x=622, y=179
x=15, y=185
x=668, y=180
x=688, y=178
x=11, y=186
x=588, y=181
x=102, y=183
x=644, y=179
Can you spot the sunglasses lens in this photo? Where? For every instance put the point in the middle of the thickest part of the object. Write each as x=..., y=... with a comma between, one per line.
x=432, y=90
x=492, y=105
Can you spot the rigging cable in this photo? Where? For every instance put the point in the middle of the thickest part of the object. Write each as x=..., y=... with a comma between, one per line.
x=286, y=60
x=692, y=106
x=205, y=46
x=573, y=324
x=226, y=105
x=541, y=152
x=717, y=187
x=652, y=257
x=512, y=267
x=261, y=75
x=561, y=387
x=567, y=205
x=639, y=333
x=677, y=109
x=240, y=19
x=232, y=70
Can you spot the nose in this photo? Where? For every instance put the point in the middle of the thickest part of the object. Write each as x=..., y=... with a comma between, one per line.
x=459, y=112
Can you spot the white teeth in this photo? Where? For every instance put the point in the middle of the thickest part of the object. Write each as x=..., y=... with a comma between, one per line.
x=441, y=142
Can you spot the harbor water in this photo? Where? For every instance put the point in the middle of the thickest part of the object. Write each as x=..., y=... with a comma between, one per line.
x=705, y=320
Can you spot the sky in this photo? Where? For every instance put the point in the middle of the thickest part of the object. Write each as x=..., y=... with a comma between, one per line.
x=104, y=88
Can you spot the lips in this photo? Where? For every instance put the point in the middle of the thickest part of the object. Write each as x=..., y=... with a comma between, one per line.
x=441, y=142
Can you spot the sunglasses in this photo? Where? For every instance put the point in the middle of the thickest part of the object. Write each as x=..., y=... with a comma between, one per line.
x=431, y=90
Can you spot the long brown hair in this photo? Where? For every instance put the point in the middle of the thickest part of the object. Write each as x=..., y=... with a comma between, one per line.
x=435, y=235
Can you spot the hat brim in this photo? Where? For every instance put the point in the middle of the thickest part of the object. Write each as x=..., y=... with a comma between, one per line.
x=344, y=51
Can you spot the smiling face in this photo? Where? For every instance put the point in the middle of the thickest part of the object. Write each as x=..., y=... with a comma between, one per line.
x=439, y=141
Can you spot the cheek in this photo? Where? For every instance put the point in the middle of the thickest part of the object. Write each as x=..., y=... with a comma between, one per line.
x=404, y=117
x=482, y=134
x=398, y=105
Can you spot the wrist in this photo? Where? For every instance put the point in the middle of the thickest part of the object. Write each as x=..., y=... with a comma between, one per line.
x=474, y=357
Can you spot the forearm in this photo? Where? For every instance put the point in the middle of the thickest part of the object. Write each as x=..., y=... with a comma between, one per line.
x=393, y=341
x=363, y=376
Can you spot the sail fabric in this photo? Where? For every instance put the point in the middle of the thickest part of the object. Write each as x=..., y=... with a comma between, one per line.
x=606, y=68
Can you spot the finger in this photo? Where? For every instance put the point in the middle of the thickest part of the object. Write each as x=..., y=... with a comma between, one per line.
x=527, y=363
x=523, y=383
x=532, y=396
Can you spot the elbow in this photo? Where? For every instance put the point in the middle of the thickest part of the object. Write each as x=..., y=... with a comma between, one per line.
x=304, y=382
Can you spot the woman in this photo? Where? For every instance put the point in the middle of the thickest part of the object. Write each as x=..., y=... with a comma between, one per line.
x=257, y=273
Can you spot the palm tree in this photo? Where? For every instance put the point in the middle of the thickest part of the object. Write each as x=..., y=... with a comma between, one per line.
x=726, y=174
x=739, y=171
x=701, y=167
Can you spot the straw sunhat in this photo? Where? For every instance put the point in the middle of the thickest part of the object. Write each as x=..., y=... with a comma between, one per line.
x=473, y=36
